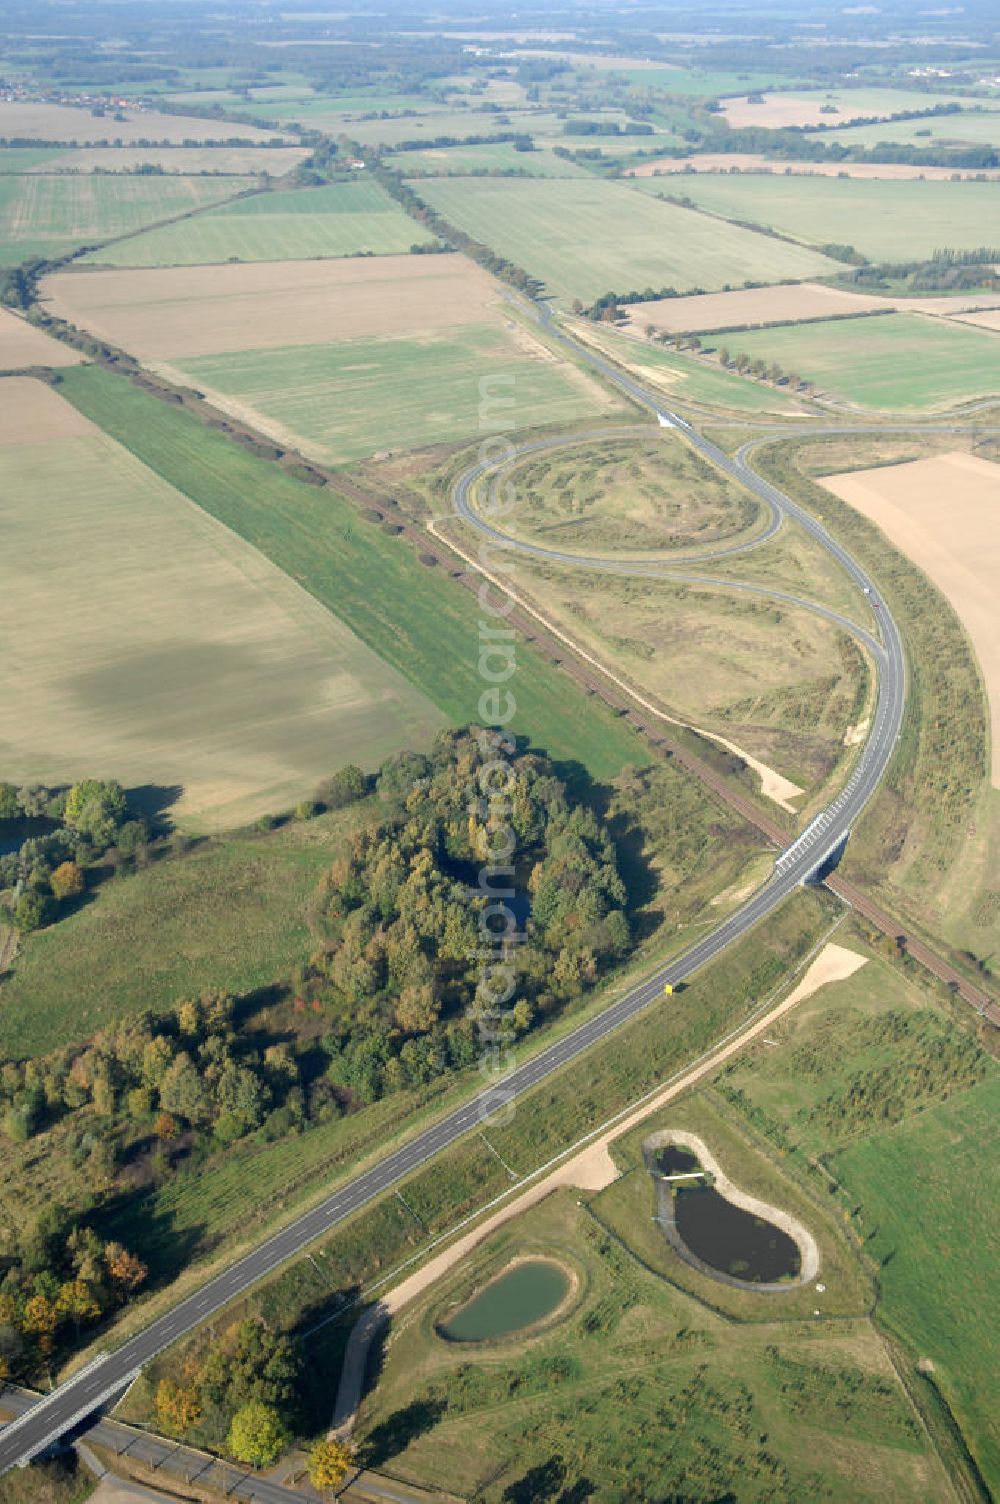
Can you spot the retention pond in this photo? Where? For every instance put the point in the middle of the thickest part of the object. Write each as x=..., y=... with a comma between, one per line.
x=521, y=1297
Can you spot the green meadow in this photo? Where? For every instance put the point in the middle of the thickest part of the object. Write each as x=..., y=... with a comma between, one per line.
x=342, y=219
x=586, y=238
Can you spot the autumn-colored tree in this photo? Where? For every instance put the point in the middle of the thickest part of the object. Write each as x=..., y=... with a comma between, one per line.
x=330, y=1461
x=40, y=1316
x=165, y=1126
x=67, y=881
x=77, y=1301
x=257, y=1434
x=127, y=1271
x=178, y=1406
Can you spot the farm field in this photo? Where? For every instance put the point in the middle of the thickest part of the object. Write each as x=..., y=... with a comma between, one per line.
x=943, y=513
x=47, y=216
x=583, y=239
x=776, y=305
x=25, y=158
x=894, y=361
x=21, y=344
x=204, y=670
x=414, y=619
x=342, y=219
x=938, y=1268
x=235, y=161
x=459, y=161
x=969, y=128
x=727, y=162
x=886, y=221
x=164, y=313
x=343, y=400
x=60, y=122
x=806, y=107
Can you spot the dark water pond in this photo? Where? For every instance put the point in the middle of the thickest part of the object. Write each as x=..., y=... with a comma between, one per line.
x=732, y=1240
x=14, y=833
x=518, y=1299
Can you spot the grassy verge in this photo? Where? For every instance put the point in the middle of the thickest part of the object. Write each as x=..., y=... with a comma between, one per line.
x=425, y=626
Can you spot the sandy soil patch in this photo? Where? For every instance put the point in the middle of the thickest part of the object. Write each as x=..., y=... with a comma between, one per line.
x=32, y=413
x=944, y=514
x=749, y=162
x=988, y=320
x=61, y=122
x=592, y=1169
x=175, y=313
x=781, y=305
x=778, y=110
x=21, y=344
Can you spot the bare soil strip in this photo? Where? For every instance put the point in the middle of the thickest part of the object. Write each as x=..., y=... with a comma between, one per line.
x=748, y=162
x=22, y=345
x=32, y=413
x=181, y=312
x=781, y=305
x=944, y=514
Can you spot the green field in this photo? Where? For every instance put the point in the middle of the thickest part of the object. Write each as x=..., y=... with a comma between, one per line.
x=886, y=221
x=24, y=158
x=583, y=239
x=892, y=361
x=419, y=623
x=688, y=378
x=46, y=216
x=460, y=161
x=930, y=1200
x=350, y=399
x=970, y=128
x=874, y=1080
x=342, y=219
x=232, y=913
x=203, y=669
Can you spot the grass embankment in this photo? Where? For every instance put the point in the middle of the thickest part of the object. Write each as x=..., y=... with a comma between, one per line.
x=424, y=625
x=915, y=832
x=544, y=1124
x=873, y=1079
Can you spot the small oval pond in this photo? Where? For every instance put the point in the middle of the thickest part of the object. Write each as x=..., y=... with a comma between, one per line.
x=519, y=1298
x=733, y=1241
x=717, y=1228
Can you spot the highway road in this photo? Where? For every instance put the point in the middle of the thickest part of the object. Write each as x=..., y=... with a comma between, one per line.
x=29, y=1435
